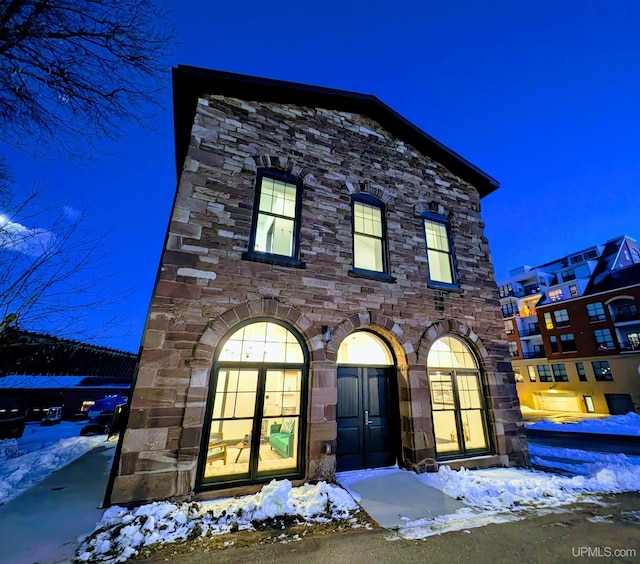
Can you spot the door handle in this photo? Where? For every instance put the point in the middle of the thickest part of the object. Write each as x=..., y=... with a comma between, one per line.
x=367, y=421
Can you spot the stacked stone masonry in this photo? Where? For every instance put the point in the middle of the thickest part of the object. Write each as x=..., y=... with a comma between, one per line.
x=205, y=288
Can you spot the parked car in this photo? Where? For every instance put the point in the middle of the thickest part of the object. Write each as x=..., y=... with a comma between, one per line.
x=52, y=417
x=105, y=416
x=98, y=425
x=12, y=418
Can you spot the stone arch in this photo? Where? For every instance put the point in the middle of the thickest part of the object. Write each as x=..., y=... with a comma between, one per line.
x=355, y=187
x=282, y=163
x=201, y=363
x=450, y=327
x=433, y=207
x=380, y=324
x=265, y=307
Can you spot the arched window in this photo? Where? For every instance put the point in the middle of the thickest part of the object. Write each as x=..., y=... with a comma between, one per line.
x=362, y=348
x=457, y=400
x=256, y=406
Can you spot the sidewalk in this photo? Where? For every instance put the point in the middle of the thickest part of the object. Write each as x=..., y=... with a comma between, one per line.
x=393, y=499
x=43, y=524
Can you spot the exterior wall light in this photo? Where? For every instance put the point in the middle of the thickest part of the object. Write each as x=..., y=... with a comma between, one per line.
x=326, y=333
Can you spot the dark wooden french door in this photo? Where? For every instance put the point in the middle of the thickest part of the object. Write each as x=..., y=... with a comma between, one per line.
x=365, y=417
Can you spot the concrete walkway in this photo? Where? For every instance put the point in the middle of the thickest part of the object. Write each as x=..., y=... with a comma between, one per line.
x=393, y=499
x=42, y=525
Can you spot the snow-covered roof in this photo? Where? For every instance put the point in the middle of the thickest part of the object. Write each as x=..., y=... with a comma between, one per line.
x=26, y=382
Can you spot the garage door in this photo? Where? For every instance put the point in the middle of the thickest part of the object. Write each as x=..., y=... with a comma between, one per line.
x=556, y=402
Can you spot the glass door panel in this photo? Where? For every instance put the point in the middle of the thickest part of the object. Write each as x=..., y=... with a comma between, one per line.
x=446, y=433
x=229, y=445
x=280, y=425
x=473, y=429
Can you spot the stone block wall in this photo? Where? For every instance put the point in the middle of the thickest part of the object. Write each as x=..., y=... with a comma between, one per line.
x=205, y=288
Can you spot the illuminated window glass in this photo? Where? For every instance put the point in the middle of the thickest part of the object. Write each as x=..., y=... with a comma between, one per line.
x=532, y=373
x=457, y=400
x=276, y=223
x=449, y=352
x=257, y=409
x=439, y=251
x=548, y=322
x=364, y=348
x=368, y=235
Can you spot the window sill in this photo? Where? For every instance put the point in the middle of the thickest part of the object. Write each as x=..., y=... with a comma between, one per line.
x=279, y=260
x=452, y=287
x=371, y=275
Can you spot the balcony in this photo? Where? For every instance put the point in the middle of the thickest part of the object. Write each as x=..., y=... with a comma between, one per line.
x=629, y=346
x=623, y=316
x=530, y=332
x=534, y=354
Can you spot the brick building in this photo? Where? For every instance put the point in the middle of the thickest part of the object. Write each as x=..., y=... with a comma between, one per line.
x=325, y=300
x=573, y=329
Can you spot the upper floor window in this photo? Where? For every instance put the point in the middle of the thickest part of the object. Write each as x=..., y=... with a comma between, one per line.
x=573, y=291
x=568, y=274
x=368, y=234
x=562, y=317
x=602, y=371
x=439, y=250
x=548, y=322
x=532, y=373
x=604, y=340
x=568, y=342
x=595, y=312
x=623, y=310
x=544, y=373
x=275, y=235
x=582, y=375
x=510, y=309
x=530, y=289
x=506, y=290
x=560, y=373
x=555, y=295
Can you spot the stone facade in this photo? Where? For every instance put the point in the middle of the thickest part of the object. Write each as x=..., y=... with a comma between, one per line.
x=205, y=288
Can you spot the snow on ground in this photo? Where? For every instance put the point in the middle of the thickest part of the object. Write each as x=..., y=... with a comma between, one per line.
x=38, y=453
x=122, y=533
x=491, y=495
x=628, y=424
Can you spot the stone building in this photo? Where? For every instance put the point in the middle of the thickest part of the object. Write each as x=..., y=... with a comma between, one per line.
x=325, y=300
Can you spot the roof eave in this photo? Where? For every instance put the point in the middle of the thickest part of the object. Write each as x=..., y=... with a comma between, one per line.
x=189, y=83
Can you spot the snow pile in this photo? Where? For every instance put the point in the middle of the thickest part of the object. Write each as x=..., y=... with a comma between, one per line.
x=602, y=472
x=121, y=532
x=628, y=424
x=513, y=489
x=38, y=453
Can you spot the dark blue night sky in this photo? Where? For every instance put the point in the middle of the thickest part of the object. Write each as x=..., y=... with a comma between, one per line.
x=543, y=96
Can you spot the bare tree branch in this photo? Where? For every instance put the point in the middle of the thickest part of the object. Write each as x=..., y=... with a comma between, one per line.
x=73, y=72
x=53, y=277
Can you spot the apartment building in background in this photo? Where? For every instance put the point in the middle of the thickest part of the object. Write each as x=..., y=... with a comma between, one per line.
x=573, y=330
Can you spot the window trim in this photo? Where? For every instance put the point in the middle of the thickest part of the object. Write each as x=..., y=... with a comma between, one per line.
x=437, y=218
x=597, y=316
x=601, y=378
x=272, y=258
x=202, y=484
x=383, y=275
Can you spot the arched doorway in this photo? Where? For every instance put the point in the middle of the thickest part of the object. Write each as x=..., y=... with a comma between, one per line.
x=367, y=407
x=457, y=400
x=256, y=406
